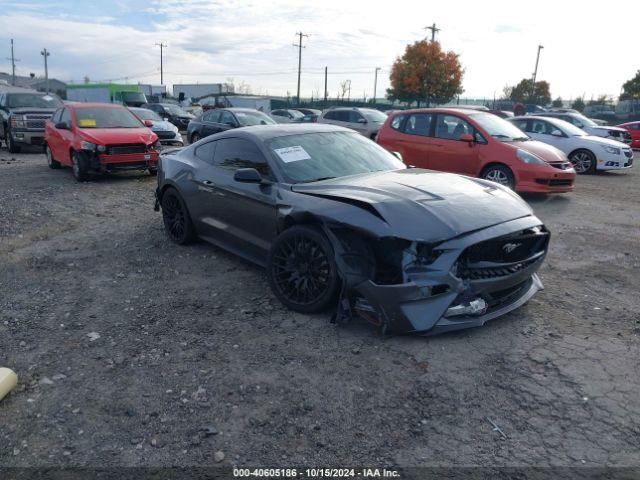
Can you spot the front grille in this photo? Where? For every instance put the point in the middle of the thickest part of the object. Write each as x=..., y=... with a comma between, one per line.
x=36, y=122
x=165, y=135
x=497, y=299
x=502, y=256
x=126, y=149
x=559, y=182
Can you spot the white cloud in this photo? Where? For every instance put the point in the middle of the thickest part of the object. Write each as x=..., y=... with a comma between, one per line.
x=209, y=41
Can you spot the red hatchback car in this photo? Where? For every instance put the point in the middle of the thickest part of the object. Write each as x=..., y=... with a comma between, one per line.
x=98, y=138
x=634, y=130
x=477, y=144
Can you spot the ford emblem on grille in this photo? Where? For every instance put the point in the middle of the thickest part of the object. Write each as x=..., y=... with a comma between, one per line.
x=510, y=247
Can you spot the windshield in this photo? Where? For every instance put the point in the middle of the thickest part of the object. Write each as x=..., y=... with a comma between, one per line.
x=144, y=114
x=254, y=118
x=587, y=122
x=374, y=115
x=18, y=100
x=109, y=117
x=498, y=128
x=316, y=156
x=175, y=110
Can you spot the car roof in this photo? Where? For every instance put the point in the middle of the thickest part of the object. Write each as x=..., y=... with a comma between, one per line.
x=267, y=132
x=240, y=109
x=459, y=111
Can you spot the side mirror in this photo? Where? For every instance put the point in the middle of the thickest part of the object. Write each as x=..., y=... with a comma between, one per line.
x=466, y=137
x=62, y=126
x=247, y=175
x=362, y=120
x=148, y=123
x=556, y=133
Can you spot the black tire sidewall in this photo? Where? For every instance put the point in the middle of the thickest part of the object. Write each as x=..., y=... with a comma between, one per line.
x=592, y=168
x=81, y=174
x=53, y=163
x=12, y=147
x=328, y=299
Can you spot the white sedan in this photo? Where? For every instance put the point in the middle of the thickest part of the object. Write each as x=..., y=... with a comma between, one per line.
x=587, y=153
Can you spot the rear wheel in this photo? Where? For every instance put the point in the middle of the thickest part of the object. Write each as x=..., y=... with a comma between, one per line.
x=301, y=270
x=195, y=137
x=583, y=161
x=500, y=174
x=177, y=221
x=53, y=163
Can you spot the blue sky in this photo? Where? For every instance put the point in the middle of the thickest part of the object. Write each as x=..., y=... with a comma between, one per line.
x=251, y=41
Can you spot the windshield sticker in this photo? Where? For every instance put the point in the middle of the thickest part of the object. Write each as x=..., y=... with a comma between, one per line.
x=48, y=98
x=86, y=122
x=292, y=154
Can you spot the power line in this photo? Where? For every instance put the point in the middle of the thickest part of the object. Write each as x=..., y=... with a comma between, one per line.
x=300, y=47
x=161, y=45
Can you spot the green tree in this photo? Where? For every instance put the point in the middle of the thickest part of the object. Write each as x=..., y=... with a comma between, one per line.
x=522, y=92
x=425, y=73
x=631, y=88
x=578, y=104
x=557, y=102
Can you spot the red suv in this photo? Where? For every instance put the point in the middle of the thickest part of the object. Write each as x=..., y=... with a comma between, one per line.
x=98, y=138
x=477, y=144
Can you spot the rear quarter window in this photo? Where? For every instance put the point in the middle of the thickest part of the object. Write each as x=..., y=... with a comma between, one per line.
x=397, y=122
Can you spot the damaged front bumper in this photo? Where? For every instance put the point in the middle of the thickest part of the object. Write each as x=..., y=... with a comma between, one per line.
x=471, y=279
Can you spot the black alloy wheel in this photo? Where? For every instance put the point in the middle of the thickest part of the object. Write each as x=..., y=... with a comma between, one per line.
x=177, y=221
x=302, y=271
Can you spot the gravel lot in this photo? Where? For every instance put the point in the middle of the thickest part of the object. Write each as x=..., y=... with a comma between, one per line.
x=132, y=351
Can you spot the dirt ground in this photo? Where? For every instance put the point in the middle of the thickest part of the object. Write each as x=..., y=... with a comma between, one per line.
x=132, y=351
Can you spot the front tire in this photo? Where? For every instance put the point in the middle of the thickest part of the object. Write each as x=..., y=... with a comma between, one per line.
x=78, y=167
x=500, y=174
x=13, y=148
x=52, y=162
x=302, y=271
x=583, y=161
x=176, y=218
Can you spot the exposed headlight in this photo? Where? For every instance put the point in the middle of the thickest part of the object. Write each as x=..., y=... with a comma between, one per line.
x=154, y=146
x=17, y=121
x=529, y=158
x=613, y=150
x=88, y=146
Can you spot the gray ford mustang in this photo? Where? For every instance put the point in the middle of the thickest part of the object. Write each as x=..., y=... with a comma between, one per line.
x=341, y=223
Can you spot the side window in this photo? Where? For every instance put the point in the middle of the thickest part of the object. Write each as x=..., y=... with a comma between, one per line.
x=234, y=153
x=212, y=116
x=342, y=116
x=227, y=117
x=396, y=123
x=66, y=117
x=450, y=127
x=542, y=127
x=355, y=117
x=418, y=124
x=206, y=151
x=330, y=115
x=522, y=125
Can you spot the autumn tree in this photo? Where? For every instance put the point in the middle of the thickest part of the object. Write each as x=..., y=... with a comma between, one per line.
x=522, y=92
x=425, y=73
x=631, y=88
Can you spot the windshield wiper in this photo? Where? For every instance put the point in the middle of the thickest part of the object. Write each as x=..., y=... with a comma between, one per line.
x=319, y=179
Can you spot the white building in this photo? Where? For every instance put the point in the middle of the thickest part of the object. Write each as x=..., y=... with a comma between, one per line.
x=199, y=90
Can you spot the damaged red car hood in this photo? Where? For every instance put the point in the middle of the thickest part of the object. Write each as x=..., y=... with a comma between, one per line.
x=115, y=136
x=424, y=205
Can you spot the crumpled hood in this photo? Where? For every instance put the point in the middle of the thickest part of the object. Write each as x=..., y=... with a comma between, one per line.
x=425, y=205
x=608, y=129
x=162, y=126
x=115, y=136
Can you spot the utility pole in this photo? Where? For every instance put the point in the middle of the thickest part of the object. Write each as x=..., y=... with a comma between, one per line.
x=45, y=54
x=325, y=85
x=300, y=47
x=13, y=65
x=434, y=30
x=535, y=72
x=162, y=46
x=375, y=84
x=349, y=91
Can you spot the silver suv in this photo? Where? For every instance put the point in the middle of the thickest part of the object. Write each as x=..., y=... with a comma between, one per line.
x=365, y=121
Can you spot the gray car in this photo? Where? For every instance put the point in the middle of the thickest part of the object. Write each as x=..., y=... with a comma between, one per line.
x=365, y=121
x=340, y=223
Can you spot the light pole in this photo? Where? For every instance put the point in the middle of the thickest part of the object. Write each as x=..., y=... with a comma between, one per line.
x=162, y=46
x=535, y=72
x=349, y=91
x=45, y=54
x=375, y=84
